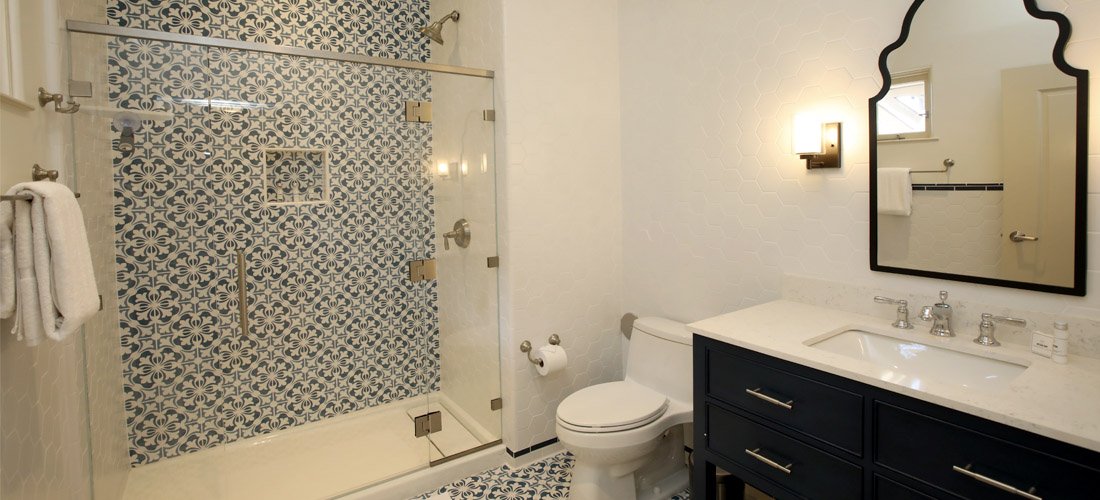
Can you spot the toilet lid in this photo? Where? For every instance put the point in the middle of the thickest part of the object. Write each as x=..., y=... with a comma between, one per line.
x=613, y=406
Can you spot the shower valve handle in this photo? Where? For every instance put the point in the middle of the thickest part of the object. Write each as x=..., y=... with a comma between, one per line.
x=460, y=233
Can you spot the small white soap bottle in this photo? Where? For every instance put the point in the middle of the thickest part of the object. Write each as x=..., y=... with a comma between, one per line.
x=1061, y=342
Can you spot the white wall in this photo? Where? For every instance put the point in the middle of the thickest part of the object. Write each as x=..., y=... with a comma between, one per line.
x=559, y=191
x=60, y=398
x=92, y=153
x=949, y=231
x=716, y=208
x=44, y=441
x=561, y=226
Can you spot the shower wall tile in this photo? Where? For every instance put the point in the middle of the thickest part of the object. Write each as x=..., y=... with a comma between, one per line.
x=334, y=324
x=378, y=28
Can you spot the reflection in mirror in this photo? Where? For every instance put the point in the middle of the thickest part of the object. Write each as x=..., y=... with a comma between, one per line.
x=979, y=180
x=903, y=113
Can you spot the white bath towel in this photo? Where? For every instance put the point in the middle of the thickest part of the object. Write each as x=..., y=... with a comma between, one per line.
x=895, y=192
x=55, y=290
x=7, y=261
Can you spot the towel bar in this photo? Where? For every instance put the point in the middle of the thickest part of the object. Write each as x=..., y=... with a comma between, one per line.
x=37, y=173
x=23, y=197
x=947, y=164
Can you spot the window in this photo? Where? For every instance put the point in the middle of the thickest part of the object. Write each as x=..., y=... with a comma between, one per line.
x=10, y=76
x=904, y=113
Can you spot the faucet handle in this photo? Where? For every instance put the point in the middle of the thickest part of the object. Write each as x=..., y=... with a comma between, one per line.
x=1004, y=319
x=887, y=300
x=986, y=328
x=903, y=311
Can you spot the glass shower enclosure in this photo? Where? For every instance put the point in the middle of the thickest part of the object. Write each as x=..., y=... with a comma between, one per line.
x=300, y=254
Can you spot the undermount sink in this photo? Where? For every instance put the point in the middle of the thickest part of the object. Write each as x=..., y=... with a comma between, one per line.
x=911, y=364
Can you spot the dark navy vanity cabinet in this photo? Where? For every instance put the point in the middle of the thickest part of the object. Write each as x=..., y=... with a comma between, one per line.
x=796, y=432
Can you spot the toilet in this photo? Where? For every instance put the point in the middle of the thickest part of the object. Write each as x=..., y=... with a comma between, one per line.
x=628, y=436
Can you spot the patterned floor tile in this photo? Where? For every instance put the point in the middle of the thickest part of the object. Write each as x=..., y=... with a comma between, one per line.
x=539, y=481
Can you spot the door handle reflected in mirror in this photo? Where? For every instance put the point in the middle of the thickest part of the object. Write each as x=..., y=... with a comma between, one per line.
x=1017, y=237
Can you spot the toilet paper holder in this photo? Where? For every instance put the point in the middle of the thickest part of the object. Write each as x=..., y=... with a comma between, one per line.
x=526, y=348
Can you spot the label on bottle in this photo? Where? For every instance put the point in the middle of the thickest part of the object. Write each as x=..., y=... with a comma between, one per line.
x=1060, y=347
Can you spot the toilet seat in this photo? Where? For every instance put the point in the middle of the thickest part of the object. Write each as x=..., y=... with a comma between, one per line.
x=611, y=407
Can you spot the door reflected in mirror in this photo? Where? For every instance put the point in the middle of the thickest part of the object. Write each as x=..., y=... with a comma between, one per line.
x=978, y=148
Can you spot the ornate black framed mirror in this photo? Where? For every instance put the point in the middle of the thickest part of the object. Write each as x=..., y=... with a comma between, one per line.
x=979, y=148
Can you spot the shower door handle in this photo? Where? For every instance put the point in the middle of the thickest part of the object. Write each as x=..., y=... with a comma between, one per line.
x=242, y=291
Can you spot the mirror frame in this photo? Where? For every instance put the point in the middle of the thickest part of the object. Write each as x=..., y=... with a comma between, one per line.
x=1082, y=146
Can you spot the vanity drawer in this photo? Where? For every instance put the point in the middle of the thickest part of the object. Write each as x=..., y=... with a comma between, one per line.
x=809, y=472
x=824, y=412
x=887, y=489
x=965, y=462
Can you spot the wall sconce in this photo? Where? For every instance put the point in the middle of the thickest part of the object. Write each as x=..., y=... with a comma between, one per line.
x=443, y=169
x=817, y=143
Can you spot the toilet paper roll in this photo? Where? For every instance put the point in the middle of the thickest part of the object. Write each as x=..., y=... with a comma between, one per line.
x=551, y=359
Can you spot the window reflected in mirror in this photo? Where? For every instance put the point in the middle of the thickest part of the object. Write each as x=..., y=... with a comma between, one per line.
x=904, y=112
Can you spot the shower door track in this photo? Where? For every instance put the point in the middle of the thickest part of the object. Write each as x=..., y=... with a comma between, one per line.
x=205, y=41
x=471, y=451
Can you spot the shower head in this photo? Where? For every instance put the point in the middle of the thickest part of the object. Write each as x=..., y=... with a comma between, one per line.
x=434, y=31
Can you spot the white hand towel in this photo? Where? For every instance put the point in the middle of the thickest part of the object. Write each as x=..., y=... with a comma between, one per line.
x=895, y=192
x=28, y=319
x=57, y=291
x=7, y=261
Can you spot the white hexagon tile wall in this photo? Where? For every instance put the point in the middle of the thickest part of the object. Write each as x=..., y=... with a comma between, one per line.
x=561, y=226
x=717, y=210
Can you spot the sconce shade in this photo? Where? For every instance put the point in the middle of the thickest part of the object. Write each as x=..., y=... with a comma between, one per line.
x=806, y=134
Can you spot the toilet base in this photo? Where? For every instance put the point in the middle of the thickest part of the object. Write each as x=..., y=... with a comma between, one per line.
x=667, y=473
x=592, y=482
x=658, y=475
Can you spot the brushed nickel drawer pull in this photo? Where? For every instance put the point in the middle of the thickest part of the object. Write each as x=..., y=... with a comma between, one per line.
x=995, y=483
x=771, y=463
x=756, y=392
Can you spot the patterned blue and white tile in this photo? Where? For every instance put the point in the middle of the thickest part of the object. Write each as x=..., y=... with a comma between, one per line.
x=326, y=297
x=544, y=480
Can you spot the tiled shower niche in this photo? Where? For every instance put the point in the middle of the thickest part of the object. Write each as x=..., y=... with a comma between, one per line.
x=334, y=325
x=295, y=176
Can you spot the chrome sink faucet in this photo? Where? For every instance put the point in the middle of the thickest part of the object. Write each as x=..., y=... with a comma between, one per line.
x=940, y=316
x=903, y=311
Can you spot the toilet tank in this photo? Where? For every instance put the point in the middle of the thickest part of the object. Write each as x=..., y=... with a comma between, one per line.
x=659, y=357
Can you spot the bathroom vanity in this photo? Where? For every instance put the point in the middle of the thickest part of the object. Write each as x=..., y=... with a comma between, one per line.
x=802, y=401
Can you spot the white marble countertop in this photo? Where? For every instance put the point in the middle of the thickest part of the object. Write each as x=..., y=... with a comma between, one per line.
x=1059, y=401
